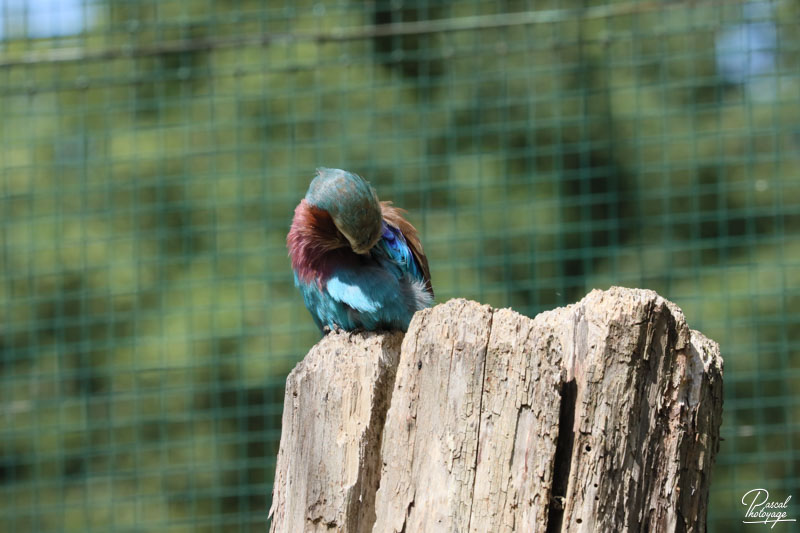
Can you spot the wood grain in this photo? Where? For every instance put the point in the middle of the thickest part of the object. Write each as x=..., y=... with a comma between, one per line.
x=600, y=416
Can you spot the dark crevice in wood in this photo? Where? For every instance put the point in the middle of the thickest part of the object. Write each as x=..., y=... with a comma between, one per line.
x=563, y=457
x=361, y=510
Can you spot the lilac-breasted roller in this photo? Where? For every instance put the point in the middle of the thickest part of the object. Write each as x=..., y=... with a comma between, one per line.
x=358, y=263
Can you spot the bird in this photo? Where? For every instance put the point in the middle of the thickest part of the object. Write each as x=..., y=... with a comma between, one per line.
x=359, y=264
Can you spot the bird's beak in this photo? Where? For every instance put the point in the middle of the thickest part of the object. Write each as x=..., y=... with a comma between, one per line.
x=357, y=249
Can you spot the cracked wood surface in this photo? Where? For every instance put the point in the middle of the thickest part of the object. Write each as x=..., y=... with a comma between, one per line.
x=600, y=416
x=333, y=414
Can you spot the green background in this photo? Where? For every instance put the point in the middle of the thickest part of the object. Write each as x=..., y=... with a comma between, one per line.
x=151, y=159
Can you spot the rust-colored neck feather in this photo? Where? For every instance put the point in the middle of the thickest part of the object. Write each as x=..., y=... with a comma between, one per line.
x=312, y=236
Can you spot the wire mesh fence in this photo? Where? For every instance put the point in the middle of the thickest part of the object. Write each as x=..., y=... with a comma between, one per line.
x=152, y=152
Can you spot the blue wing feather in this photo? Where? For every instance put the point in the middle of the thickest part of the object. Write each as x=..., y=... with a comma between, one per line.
x=384, y=293
x=394, y=245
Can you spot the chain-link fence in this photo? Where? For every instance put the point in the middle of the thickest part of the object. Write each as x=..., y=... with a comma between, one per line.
x=152, y=152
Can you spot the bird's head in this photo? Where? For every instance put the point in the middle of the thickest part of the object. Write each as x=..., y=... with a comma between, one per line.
x=352, y=204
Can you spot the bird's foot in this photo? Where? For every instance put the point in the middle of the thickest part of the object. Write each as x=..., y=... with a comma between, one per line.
x=335, y=328
x=355, y=331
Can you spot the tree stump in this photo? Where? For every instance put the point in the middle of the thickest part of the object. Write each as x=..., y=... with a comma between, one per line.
x=600, y=416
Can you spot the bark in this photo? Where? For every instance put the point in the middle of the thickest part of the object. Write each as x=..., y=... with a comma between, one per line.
x=600, y=416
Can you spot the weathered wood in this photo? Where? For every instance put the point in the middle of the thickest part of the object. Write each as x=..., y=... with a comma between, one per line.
x=472, y=432
x=647, y=414
x=600, y=416
x=333, y=414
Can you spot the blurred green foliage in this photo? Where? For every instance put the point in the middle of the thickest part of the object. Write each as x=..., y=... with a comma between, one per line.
x=149, y=167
